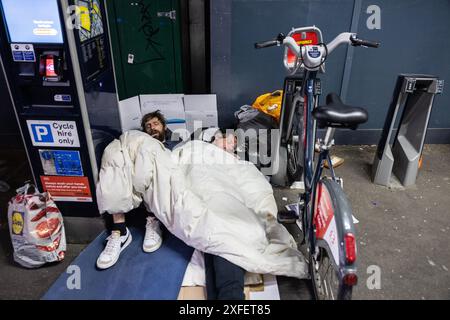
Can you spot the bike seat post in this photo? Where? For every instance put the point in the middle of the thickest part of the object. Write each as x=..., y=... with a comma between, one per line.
x=328, y=141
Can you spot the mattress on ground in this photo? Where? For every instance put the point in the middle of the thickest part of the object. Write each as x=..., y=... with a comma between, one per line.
x=136, y=275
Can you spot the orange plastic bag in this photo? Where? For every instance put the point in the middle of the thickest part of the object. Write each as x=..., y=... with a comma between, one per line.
x=270, y=103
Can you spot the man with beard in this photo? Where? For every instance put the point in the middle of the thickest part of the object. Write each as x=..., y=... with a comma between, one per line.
x=155, y=125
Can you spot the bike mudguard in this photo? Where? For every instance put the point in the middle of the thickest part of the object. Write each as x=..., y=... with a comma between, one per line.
x=333, y=220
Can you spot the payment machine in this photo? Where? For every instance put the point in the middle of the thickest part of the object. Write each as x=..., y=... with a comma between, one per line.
x=55, y=55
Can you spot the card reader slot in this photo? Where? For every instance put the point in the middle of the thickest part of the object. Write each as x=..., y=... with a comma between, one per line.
x=55, y=84
x=51, y=106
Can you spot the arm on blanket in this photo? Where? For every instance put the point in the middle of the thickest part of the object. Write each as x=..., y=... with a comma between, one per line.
x=256, y=190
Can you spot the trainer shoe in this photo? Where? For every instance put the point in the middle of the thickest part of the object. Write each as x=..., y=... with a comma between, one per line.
x=153, y=235
x=114, y=246
x=335, y=161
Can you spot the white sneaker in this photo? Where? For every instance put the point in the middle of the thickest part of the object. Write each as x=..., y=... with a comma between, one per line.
x=153, y=235
x=115, y=245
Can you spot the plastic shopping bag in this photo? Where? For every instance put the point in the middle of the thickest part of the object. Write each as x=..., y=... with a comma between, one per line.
x=36, y=228
x=270, y=103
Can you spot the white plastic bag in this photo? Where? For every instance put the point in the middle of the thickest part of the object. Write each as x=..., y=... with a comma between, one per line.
x=36, y=228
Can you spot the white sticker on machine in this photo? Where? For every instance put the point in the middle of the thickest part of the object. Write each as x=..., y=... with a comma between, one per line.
x=63, y=98
x=23, y=52
x=53, y=133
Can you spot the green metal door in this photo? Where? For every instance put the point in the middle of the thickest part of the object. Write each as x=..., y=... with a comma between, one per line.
x=146, y=44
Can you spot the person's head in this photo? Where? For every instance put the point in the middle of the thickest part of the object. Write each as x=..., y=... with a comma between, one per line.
x=154, y=124
x=225, y=141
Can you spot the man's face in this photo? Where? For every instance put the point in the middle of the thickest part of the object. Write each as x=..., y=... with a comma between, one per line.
x=227, y=143
x=155, y=128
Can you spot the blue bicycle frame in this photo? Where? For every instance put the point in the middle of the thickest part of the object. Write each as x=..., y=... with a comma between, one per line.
x=311, y=175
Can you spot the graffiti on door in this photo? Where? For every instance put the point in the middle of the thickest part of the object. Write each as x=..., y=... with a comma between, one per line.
x=149, y=31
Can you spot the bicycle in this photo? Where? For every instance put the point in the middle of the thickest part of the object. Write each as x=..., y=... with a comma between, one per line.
x=324, y=210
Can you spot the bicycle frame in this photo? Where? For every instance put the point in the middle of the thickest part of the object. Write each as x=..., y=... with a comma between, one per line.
x=311, y=175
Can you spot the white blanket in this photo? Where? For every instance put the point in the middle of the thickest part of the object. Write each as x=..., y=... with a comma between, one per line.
x=204, y=196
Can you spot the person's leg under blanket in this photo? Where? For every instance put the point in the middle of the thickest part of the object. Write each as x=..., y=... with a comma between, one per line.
x=210, y=277
x=224, y=280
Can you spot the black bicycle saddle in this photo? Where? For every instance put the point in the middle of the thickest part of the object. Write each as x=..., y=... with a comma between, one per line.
x=336, y=114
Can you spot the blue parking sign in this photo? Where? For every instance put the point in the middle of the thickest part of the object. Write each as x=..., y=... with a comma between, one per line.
x=42, y=133
x=53, y=133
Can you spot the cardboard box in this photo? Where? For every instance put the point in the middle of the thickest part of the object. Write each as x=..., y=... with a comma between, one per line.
x=200, y=119
x=270, y=289
x=200, y=102
x=267, y=290
x=201, y=111
x=130, y=114
x=192, y=293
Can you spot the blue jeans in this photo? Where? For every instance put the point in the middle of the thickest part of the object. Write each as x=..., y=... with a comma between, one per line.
x=224, y=280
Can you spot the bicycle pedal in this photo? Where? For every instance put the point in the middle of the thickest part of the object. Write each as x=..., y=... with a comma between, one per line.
x=287, y=216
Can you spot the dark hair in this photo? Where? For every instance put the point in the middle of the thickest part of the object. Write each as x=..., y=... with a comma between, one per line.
x=222, y=132
x=155, y=114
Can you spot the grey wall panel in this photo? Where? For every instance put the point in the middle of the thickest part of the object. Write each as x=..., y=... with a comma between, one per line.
x=414, y=39
x=197, y=46
x=220, y=65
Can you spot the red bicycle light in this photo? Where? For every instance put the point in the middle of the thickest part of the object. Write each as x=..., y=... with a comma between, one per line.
x=302, y=38
x=350, y=248
x=350, y=279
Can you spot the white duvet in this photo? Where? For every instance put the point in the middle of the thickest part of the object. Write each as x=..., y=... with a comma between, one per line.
x=206, y=197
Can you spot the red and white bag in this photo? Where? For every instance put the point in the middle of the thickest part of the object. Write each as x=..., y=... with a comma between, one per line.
x=36, y=228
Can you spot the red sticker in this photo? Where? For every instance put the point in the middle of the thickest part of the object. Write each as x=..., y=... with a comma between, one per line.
x=67, y=188
x=324, y=211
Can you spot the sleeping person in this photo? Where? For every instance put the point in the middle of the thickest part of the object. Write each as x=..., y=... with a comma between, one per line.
x=120, y=237
x=206, y=197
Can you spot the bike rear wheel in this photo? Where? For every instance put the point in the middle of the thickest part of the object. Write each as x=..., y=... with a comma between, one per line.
x=294, y=148
x=333, y=258
x=325, y=278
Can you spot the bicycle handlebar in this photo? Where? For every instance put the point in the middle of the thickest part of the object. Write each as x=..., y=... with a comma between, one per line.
x=317, y=53
x=271, y=43
x=266, y=44
x=343, y=38
x=365, y=43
